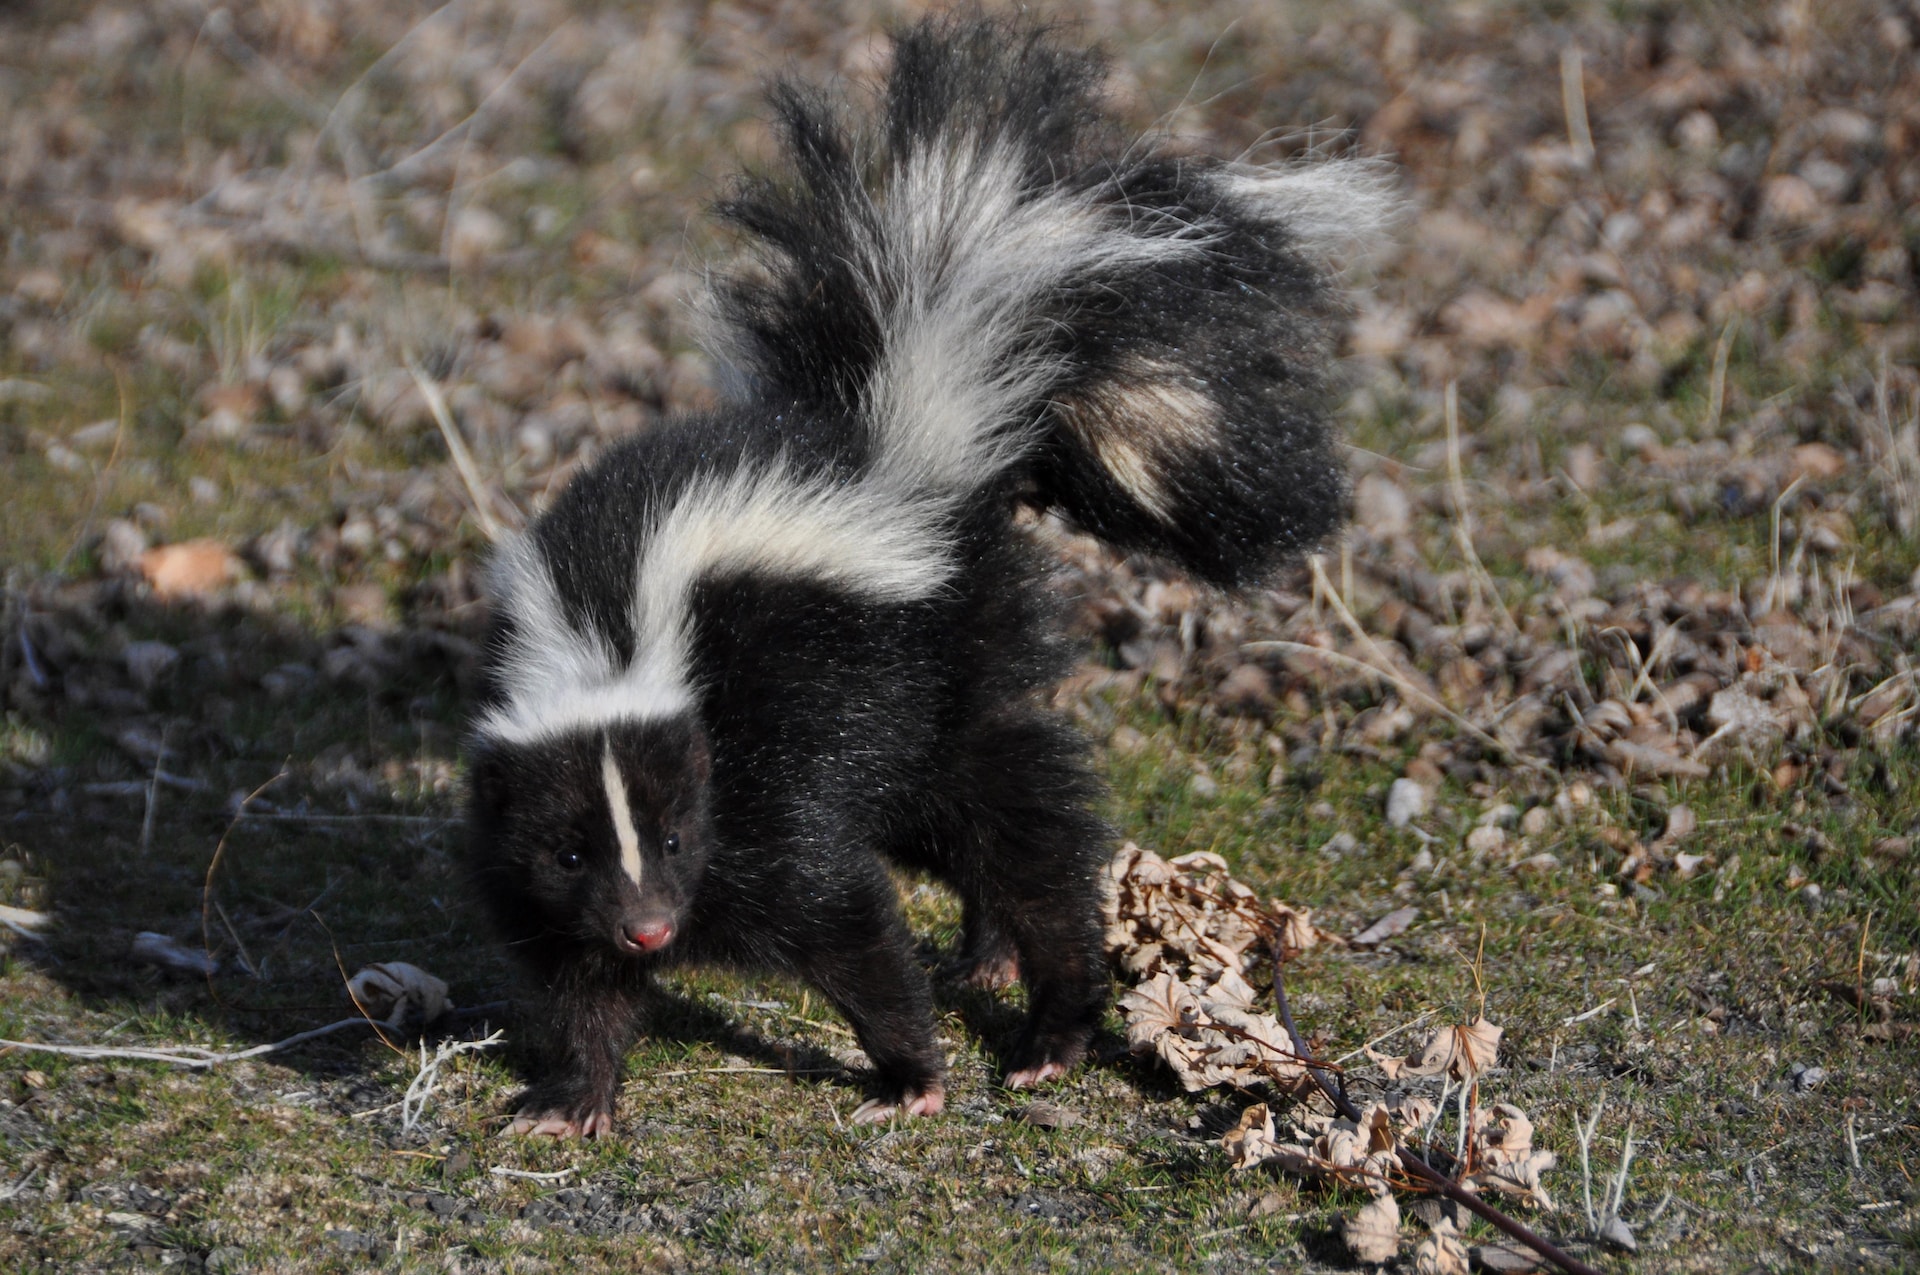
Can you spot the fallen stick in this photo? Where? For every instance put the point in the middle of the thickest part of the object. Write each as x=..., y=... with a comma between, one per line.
x=1413, y=1164
x=194, y=1056
x=184, y=1055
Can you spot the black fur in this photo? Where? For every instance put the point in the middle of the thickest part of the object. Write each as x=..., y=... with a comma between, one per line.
x=830, y=731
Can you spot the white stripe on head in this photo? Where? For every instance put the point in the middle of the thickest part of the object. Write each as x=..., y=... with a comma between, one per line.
x=623, y=829
x=555, y=678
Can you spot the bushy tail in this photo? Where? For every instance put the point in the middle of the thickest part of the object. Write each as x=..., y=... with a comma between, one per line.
x=1007, y=291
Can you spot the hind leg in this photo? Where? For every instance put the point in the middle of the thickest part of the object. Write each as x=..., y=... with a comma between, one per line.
x=1026, y=857
x=988, y=958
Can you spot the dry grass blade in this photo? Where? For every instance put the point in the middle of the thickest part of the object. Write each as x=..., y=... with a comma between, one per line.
x=1405, y=687
x=1573, y=100
x=479, y=493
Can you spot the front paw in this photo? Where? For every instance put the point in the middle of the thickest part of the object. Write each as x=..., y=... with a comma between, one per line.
x=548, y=1122
x=1042, y=1062
x=925, y=1100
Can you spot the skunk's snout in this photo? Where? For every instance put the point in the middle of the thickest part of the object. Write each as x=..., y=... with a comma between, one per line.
x=645, y=936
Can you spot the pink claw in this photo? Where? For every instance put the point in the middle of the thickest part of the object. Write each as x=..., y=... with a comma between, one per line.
x=1028, y=1077
x=994, y=973
x=554, y=1124
x=927, y=1102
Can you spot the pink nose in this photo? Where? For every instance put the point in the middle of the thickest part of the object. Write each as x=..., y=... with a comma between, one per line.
x=651, y=938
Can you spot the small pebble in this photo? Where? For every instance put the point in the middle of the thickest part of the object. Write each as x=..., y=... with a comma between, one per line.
x=1638, y=437
x=1406, y=801
x=1340, y=843
x=1617, y=1234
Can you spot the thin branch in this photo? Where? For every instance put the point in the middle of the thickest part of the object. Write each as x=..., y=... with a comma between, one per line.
x=1413, y=1164
x=186, y=1055
x=413, y=1104
x=1573, y=100
x=1584, y=1133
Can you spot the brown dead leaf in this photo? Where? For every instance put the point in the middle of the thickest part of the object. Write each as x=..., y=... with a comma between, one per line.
x=1373, y=1234
x=1251, y=1142
x=1441, y=1252
x=1389, y=926
x=1161, y=1004
x=1518, y=1177
x=1463, y=1053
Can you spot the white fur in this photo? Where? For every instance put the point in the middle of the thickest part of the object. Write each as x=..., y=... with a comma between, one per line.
x=623, y=830
x=969, y=263
x=857, y=537
x=1343, y=208
x=864, y=538
x=1139, y=423
x=556, y=678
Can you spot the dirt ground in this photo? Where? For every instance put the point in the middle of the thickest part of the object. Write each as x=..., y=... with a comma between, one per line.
x=1609, y=691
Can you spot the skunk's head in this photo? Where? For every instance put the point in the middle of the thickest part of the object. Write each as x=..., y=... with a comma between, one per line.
x=600, y=836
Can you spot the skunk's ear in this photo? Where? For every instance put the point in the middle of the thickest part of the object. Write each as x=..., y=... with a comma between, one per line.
x=489, y=774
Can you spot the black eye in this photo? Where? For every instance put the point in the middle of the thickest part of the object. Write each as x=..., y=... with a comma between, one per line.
x=672, y=843
x=568, y=859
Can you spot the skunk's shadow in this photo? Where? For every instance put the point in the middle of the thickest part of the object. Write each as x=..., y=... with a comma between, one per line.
x=994, y=1019
x=275, y=802
x=283, y=800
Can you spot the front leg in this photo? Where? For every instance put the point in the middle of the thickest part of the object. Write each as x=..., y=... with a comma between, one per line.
x=857, y=950
x=590, y=1020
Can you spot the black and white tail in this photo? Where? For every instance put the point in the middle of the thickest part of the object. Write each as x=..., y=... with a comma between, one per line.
x=1007, y=290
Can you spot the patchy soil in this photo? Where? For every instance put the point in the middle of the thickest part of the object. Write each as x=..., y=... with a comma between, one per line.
x=1601, y=721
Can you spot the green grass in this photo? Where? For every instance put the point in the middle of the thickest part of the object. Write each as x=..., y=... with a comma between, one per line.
x=1715, y=982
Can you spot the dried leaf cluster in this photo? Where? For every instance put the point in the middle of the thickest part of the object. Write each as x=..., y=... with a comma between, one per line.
x=1188, y=933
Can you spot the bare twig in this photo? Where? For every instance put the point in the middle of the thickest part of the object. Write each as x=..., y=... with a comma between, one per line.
x=1413, y=1164
x=1717, y=385
x=747, y=1071
x=413, y=1104
x=1406, y=686
x=206, y=886
x=1596, y=1011
x=1463, y=517
x=1384, y=1036
x=558, y=1175
x=186, y=1055
x=25, y=922
x=1584, y=1135
x=1618, y=1193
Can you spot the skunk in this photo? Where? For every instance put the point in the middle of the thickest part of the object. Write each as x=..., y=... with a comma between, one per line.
x=750, y=658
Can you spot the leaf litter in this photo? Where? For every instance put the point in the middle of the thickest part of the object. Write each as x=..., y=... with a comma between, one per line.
x=1189, y=934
